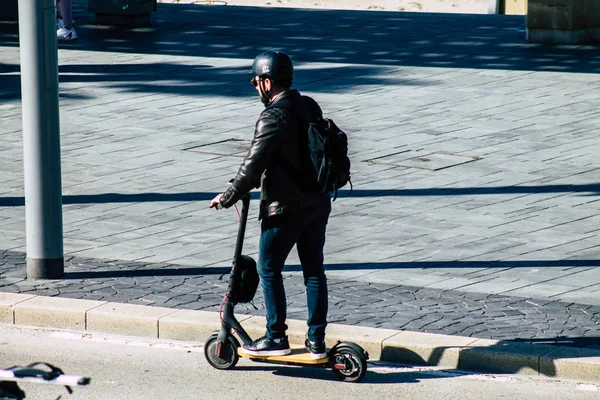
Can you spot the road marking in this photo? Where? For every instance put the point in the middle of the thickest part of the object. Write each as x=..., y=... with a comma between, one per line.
x=438, y=371
x=157, y=344
x=587, y=388
x=379, y=368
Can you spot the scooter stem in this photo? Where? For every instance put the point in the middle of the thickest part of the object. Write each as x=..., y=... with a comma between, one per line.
x=239, y=243
x=228, y=319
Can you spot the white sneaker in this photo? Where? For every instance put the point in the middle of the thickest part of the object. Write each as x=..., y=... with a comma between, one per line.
x=66, y=34
x=61, y=24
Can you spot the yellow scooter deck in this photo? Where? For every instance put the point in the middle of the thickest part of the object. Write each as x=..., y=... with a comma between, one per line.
x=299, y=355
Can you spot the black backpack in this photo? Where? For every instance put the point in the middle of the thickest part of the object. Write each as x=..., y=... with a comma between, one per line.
x=328, y=154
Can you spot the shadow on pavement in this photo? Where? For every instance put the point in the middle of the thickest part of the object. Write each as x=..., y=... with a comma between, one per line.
x=197, y=271
x=360, y=42
x=587, y=341
x=206, y=80
x=535, y=356
x=377, y=375
x=592, y=189
x=338, y=36
x=502, y=357
x=585, y=189
x=531, y=356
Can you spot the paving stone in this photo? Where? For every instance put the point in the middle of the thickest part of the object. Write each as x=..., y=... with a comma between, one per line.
x=521, y=221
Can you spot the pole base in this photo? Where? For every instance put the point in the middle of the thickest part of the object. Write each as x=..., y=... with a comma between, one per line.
x=45, y=268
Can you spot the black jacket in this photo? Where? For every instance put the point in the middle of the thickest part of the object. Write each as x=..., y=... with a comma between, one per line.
x=274, y=161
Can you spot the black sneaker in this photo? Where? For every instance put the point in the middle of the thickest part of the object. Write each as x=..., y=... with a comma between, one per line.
x=317, y=349
x=268, y=347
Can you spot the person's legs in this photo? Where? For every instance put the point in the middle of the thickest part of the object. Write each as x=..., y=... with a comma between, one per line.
x=276, y=241
x=65, y=30
x=310, y=251
x=306, y=228
x=278, y=235
x=66, y=12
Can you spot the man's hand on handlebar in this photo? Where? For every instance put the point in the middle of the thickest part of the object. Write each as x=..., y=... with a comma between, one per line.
x=216, y=202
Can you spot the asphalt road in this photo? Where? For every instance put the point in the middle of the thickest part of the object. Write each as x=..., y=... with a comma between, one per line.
x=133, y=368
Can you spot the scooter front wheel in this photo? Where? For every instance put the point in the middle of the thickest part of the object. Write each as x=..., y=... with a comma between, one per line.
x=349, y=364
x=228, y=357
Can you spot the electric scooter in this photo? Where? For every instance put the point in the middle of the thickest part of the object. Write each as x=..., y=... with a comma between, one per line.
x=11, y=377
x=222, y=350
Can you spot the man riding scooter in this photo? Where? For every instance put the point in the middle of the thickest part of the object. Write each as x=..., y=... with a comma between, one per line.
x=289, y=214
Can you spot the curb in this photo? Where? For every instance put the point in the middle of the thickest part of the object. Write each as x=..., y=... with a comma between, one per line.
x=452, y=352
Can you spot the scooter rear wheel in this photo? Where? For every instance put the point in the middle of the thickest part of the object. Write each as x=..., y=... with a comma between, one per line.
x=228, y=357
x=349, y=364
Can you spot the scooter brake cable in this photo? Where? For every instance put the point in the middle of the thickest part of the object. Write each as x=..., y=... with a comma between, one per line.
x=221, y=308
x=221, y=311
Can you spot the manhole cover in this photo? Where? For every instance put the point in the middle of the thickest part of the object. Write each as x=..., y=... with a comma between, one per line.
x=228, y=147
x=432, y=161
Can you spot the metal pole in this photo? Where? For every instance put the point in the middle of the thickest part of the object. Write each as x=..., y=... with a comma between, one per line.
x=41, y=139
x=493, y=7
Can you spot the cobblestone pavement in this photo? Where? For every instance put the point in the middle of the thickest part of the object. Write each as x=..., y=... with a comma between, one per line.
x=476, y=201
x=351, y=302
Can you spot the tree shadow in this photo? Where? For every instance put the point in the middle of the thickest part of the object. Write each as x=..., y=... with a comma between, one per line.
x=353, y=48
x=206, y=80
x=344, y=36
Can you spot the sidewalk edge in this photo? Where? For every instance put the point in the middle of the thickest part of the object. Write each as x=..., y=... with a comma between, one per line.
x=452, y=352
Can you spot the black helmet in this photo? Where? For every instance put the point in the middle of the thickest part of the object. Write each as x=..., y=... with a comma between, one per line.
x=276, y=65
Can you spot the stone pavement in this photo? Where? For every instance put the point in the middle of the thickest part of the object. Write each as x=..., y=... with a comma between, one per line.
x=367, y=304
x=475, y=208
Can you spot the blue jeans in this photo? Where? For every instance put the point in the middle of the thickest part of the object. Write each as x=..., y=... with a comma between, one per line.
x=305, y=228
